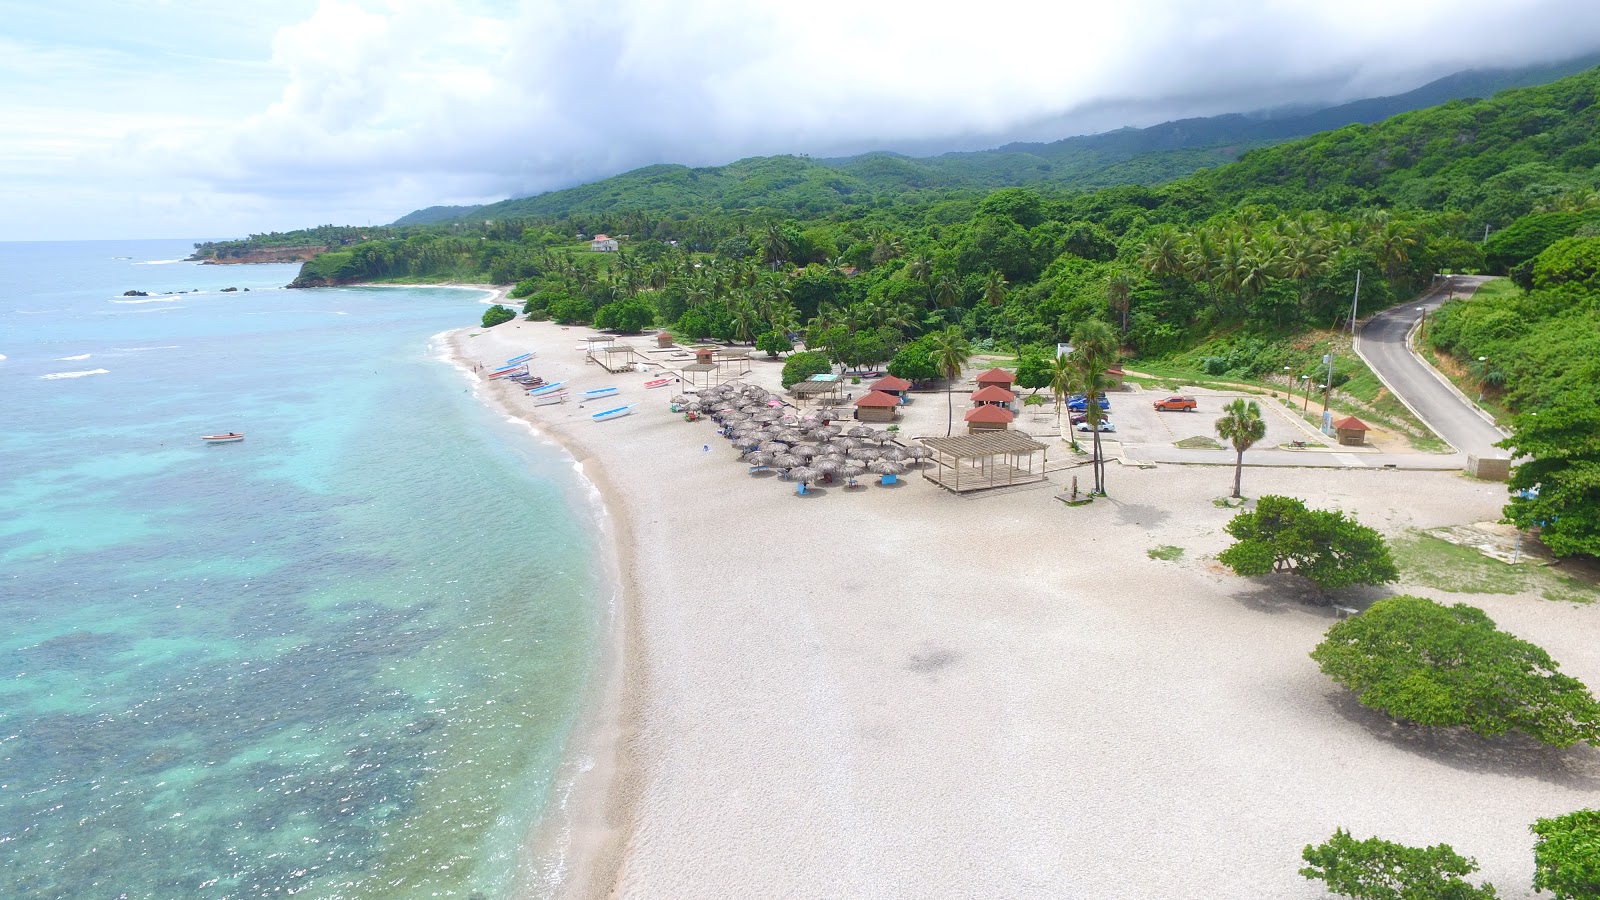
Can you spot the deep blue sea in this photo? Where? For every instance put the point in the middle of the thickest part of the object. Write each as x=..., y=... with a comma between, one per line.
x=338, y=659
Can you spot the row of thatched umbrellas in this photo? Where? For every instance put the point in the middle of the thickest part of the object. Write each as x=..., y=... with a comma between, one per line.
x=805, y=448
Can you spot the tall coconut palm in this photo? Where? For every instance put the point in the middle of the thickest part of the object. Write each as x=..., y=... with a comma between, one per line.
x=950, y=352
x=1241, y=424
x=994, y=288
x=1094, y=351
x=774, y=245
x=1119, y=296
x=1063, y=381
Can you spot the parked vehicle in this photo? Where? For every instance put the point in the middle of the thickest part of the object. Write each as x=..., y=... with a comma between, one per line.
x=1080, y=401
x=1176, y=402
x=1105, y=425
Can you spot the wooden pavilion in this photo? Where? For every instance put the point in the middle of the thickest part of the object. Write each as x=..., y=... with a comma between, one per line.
x=998, y=377
x=975, y=462
x=877, y=406
x=993, y=395
x=891, y=385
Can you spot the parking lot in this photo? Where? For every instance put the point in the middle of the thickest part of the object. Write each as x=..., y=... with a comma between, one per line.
x=1138, y=422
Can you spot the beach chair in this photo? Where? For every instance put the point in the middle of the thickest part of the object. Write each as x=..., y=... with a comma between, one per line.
x=800, y=488
x=888, y=478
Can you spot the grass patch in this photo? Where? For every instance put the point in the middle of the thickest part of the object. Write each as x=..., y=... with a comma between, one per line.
x=1166, y=551
x=1227, y=503
x=1198, y=443
x=1425, y=559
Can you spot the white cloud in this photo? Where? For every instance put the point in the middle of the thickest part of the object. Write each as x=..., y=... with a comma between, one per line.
x=380, y=107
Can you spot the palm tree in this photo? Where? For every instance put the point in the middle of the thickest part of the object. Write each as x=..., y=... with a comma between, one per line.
x=1119, y=296
x=919, y=267
x=994, y=288
x=950, y=352
x=774, y=245
x=1063, y=381
x=1094, y=351
x=1241, y=423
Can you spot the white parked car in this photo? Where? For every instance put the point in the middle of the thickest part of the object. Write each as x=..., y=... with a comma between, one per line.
x=1105, y=425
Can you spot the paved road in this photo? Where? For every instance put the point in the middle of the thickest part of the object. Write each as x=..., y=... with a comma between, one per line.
x=1453, y=417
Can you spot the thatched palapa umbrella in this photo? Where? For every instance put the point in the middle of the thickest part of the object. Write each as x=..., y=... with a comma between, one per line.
x=773, y=447
x=759, y=459
x=885, y=467
x=803, y=473
x=859, y=431
x=786, y=460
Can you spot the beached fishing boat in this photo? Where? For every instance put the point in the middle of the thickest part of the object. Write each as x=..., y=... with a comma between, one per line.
x=658, y=382
x=599, y=392
x=519, y=359
x=514, y=370
x=551, y=399
x=229, y=438
x=617, y=413
x=546, y=389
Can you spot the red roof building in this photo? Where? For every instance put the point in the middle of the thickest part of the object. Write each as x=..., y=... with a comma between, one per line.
x=1351, y=431
x=997, y=377
x=877, y=406
x=891, y=385
x=993, y=393
x=988, y=418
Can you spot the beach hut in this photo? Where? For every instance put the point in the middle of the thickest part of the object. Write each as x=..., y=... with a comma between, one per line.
x=891, y=385
x=1352, y=431
x=664, y=340
x=997, y=377
x=993, y=395
x=988, y=417
x=1114, y=378
x=877, y=406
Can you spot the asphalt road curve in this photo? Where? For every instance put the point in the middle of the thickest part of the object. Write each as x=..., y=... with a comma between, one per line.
x=1383, y=346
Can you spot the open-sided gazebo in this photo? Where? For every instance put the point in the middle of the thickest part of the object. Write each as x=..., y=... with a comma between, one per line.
x=974, y=462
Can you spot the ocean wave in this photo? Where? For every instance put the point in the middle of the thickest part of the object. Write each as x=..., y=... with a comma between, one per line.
x=77, y=374
x=159, y=262
x=172, y=299
x=142, y=349
x=2, y=356
x=73, y=358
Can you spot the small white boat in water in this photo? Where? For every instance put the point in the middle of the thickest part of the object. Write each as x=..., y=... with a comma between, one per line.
x=546, y=389
x=599, y=392
x=609, y=414
x=229, y=438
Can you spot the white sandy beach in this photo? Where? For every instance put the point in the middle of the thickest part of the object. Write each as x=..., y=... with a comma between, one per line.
x=899, y=692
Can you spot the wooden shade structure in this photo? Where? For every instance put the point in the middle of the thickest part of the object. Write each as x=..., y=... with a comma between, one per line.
x=877, y=406
x=1351, y=431
x=974, y=462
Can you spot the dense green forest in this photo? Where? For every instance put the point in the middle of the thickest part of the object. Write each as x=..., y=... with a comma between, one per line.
x=1236, y=259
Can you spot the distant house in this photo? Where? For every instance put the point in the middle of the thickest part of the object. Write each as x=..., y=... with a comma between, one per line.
x=603, y=244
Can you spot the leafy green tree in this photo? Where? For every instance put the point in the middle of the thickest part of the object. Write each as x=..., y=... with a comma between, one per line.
x=1443, y=667
x=914, y=362
x=1242, y=425
x=1332, y=551
x=496, y=314
x=630, y=316
x=800, y=366
x=1566, y=855
x=570, y=310
x=1556, y=486
x=950, y=352
x=693, y=325
x=1033, y=371
x=1376, y=869
x=774, y=343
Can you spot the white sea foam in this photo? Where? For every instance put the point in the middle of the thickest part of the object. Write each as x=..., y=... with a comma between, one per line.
x=159, y=262
x=173, y=299
x=73, y=358
x=2, y=356
x=142, y=349
x=77, y=374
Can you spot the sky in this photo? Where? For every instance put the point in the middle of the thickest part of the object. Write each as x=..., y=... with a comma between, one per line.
x=159, y=118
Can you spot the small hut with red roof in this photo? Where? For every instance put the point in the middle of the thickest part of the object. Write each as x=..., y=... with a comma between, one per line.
x=877, y=406
x=993, y=395
x=988, y=417
x=999, y=378
x=1351, y=431
x=889, y=384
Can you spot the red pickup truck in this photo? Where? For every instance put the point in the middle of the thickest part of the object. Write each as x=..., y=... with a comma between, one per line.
x=1175, y=402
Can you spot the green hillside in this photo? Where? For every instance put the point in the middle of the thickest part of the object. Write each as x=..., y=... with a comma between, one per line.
x=804, y=186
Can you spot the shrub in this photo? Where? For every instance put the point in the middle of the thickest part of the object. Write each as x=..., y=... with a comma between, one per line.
x=773, y=343
x=801, y=366
x=1566, y=857
x=1375, y=869
x=1282, y=535
x=496, y=314
x=1442, y=666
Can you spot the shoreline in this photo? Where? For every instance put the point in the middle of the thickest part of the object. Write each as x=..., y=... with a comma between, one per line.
x=575, y=848
x=901, y=692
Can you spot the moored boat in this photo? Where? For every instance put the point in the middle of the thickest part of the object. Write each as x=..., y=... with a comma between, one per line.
x=617, y=413
x=229, y=438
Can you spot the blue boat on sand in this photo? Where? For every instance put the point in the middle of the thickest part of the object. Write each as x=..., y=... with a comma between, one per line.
x=609, y=414
x=599, y=392
x=546, y=389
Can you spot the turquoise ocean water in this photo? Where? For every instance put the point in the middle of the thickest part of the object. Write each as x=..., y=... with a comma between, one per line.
x=338, y=659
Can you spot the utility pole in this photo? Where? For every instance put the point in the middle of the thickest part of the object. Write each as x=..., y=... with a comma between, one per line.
x=1354, y=302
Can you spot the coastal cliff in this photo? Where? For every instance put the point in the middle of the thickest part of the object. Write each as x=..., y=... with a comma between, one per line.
x=258, y=255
